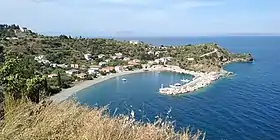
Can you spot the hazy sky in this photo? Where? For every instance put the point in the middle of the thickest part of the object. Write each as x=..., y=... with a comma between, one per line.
x=143, y=17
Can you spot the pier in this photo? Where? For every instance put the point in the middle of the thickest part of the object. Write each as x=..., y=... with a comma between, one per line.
x=200, y=80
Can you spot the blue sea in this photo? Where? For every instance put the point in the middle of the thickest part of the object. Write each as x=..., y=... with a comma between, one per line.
x=243, y=107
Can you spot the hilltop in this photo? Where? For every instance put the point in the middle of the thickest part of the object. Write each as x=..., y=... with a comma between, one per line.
x=67, y=50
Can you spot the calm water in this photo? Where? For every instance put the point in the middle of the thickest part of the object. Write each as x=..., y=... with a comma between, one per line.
x=246, y=106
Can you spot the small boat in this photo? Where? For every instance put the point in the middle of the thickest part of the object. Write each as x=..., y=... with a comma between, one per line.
x=177, y=84
x=185, y=80
x=172, y=86
x=123, y=79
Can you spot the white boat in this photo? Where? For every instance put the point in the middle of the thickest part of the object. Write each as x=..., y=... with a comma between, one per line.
x=123, y=79
x=185, y=80
x=172, y=86
x=177, y=84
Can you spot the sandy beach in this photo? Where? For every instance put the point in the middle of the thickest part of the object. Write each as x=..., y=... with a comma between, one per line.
x=66, y=93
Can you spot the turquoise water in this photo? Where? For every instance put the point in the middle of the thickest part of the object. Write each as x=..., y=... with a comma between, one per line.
x=246, y=106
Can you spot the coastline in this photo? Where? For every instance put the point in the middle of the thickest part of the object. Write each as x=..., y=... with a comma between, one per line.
x=66, y=93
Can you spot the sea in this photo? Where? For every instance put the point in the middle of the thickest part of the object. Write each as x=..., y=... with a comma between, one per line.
x=243, y=107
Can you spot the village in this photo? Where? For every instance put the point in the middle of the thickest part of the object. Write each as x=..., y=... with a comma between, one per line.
x=114, y=63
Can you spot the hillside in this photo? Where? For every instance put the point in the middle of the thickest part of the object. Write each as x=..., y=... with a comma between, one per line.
x=69, y=121
x=63, y=49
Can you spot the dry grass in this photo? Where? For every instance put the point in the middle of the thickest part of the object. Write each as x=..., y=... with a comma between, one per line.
x=69, y=121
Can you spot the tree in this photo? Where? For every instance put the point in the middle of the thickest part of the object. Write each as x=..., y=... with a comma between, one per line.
x=19, y=80
x=59, y=83
x=36, y=89
x=1, y=54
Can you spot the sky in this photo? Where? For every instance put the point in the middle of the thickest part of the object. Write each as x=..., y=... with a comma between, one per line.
x=143, y=17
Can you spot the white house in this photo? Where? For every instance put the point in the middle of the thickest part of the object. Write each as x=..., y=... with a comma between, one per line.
x=136, y=60
x=168, y=58
x=41, y=59
x=101, y=56
x=151, y=62
x=81, y=75
x=161, y=60
x=62, y=65
x=88, y=56
x=93, y=69
x=126, y=59
x=119, y=55
x=150, y=52
x=102, y=64
x=190, y=59
x=145, y=66
x=119, y=69
x=54, y=65
x=23, y=29
x=107, y=60
x=71, y=72
x=76, y=66
x=134, y=42
x=114, y=57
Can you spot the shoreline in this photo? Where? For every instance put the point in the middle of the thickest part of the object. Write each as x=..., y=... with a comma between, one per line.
x=66, y=93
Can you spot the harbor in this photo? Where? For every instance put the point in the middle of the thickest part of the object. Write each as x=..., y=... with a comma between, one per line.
x=199, y=81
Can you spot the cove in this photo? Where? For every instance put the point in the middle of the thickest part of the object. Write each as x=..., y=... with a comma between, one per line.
x=245, y=106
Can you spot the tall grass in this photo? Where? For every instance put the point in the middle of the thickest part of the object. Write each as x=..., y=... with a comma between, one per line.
x=70, y=121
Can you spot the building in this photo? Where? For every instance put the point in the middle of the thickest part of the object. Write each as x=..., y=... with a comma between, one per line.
x=72, y=72
x=119, y=69
x=52, y=75
x=132, y=63
x=150, y=52
x=126, y=59
x=94, y=69
x=81, y=75
x=114, y=57
x=54, y=65
x=137, y=60
x=161, y=60
x=41, y=59
x=88, y=57
x=190, y=59
x=151, y=62
x=119, y=55
x=107, y=69
x=62, y=65
x=76, y=66
x=134, y=42
x=145, y=66
x=101, y=56
x=107, y=60
x=102, y=64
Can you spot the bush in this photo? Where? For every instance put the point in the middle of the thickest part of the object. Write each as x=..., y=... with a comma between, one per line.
x=72, y=122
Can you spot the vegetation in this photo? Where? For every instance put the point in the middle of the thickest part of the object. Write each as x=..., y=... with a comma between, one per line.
x=24, y=81
x=19, y=79
x=69, y=121
x=68, y=50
